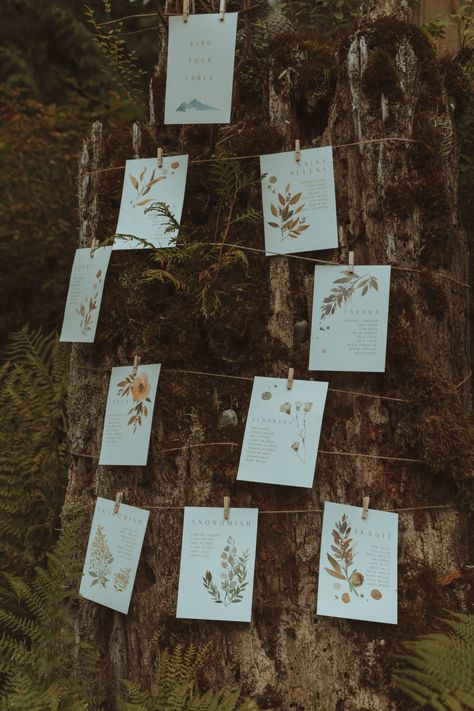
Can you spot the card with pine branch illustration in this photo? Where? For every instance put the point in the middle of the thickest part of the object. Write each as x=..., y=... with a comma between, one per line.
x=217, y=564
x=113, y=553
x=84, y=297
x=200, y=70
x=129, y=415
x=358, y=564
x=152, y=202
x=299, y=201
x=350, y=318
x=282, y=432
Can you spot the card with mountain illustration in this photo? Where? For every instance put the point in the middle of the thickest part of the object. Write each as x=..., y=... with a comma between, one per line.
x=129, y=415
x=217, y=564
x=358, y=564
x=84, y=296
x=152, y=202
x=299, y=201
x=282, y=432
x=200, y=72
x=113, y=552
x=350, y=318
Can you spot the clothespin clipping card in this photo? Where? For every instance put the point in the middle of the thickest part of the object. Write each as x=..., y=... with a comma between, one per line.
x=297, y=150
x=159, y=157
x=222, y=10
x=185, y=10
x=351, y=262
x=136, y=363
x=94, y=245
x=365, y=507
x=226, y=507
x=291, y=375
x=118, y=501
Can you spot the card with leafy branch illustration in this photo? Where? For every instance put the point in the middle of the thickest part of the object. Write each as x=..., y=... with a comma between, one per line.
x=282, y=431
x=350, y=318
x=84, y=297
x=358, y=564
x=128, y=415
x=146, y=189
x=299, y=204
x=112, y=555
x=217, y=564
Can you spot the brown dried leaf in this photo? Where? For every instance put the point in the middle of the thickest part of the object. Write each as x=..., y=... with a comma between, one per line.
x=274, y=210
x=295, y=198
x=281, y=199
x=339, y=576
x=134, y=182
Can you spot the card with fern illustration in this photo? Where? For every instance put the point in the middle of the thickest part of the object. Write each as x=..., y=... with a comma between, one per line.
x=147, y=185
x=113, y=553
x=84, y=297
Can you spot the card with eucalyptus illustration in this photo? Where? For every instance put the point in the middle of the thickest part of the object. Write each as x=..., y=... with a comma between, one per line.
x=217, y=564
x=350, y=318
x=152, y=202
x=358, y=564
x=299, y=201
x=282, y=432
x=200, y=71
x=84, y=296
x=113, y=552
x=128, y=415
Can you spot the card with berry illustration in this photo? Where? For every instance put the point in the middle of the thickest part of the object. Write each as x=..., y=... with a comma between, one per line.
x=299, y=201
x=358, y=564
x=84, y=296
x=113, y=552
x=282, y=432
x=350, y=318
x=152, y=202
x=217, y=564
x=129, y=415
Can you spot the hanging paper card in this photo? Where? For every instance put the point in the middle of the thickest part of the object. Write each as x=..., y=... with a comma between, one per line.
x=282, y=432
x=85, y=294
x=358, y=564
x=350, y=318
x=113, y=552
x=148, y=193
x=217, y=564
x=299, y=203
x=129, y=415
x=199, y=76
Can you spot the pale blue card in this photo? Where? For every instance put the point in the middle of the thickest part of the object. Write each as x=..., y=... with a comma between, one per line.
x=282, y=432
x=299, y=201
x=217, y=564
x=113, y=552
x=84, y=296
x=350, y=318
x=129, y=415
x=358, y=564
x=200, y=71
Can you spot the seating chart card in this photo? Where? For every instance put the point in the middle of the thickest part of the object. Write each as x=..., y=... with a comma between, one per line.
x=282, y=432
x=84, y=297
x=113, y=552
x=217, y=564
x=358, y=564
x=128, y=416
x=299, y=201
x=350, y=318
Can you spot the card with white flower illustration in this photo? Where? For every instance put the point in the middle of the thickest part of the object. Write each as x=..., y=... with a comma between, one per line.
x=350, y=318
x=299, y=201
x=217, y=564
x=200, y=71
x=282, y=432
x=152, y=202
x=84, y=296
x=128, y=415
x=358, y=564
x=113, y=552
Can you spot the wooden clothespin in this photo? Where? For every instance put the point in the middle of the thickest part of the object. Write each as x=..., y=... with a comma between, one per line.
x=222, y=10
x=297, y=150
x=136, y=363
x=94, y=243
x=351, y=262
x=291, y=374
x=159, y=157
x=365, y=507
x=185, y=10
x=226, y=507
x=118, y=501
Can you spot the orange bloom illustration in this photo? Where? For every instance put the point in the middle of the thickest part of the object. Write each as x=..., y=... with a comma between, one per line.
x=140, y=388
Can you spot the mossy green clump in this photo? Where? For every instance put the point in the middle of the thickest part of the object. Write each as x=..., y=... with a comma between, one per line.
x=380, y=78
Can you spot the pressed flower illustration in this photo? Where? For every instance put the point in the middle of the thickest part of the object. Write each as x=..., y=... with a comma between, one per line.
x=347, y=285
x=298, y=417
x=233, y=579
x=138, y=387
x=122, y=579
x=87, y=308
x=143, y=185
x=287, y=209
x=101, y=559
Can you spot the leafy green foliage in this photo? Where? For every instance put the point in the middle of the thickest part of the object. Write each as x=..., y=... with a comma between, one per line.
x=328, y=17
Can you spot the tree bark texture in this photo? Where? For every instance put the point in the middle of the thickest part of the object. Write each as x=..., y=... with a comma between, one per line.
x=397, y=204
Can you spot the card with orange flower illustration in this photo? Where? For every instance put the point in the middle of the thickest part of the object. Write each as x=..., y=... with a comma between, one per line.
x=358, y=564
x=113, y=553
x=152, y=202
x=128, y=415
x=84, y=296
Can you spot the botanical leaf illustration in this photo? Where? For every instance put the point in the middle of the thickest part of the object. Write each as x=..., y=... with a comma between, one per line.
x=233, y=576
x=86, y=309
x=346, y=287
x=298, y=418
x=101, y=559
x=290, y=224
x=143, y=186
x=138, y=387
x=122, y=579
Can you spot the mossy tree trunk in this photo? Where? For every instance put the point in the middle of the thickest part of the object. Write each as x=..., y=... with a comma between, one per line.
x=396, y=204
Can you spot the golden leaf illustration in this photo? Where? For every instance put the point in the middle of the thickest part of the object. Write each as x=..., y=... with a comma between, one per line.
x=274, y=210
x=339, y=576
x=143, y=202
x=281, y=198
x=295, y=198
x=142, y=174
x=134, y=182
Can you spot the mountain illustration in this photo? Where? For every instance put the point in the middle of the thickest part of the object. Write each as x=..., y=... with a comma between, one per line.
x=196, y=105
